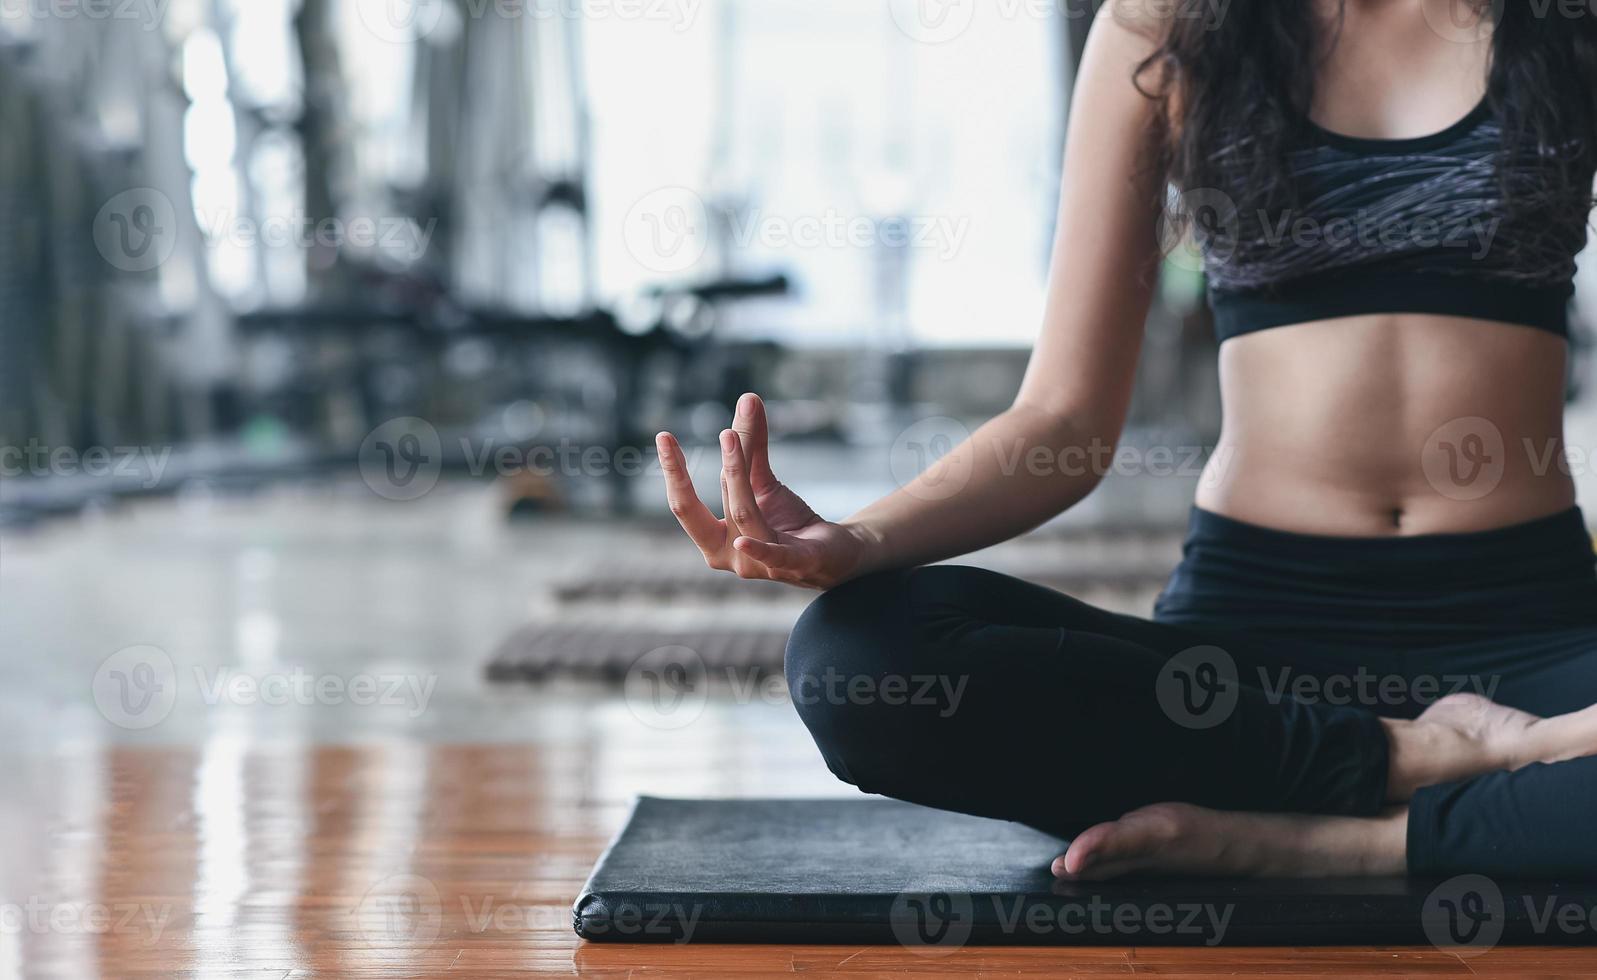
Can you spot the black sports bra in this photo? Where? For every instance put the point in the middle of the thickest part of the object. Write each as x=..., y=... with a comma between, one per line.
x=1390, y=226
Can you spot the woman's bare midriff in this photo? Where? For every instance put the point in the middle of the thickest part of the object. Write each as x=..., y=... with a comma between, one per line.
x=1391, y=425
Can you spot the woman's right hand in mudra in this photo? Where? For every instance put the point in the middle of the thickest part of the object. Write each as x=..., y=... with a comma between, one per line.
x=768, y=531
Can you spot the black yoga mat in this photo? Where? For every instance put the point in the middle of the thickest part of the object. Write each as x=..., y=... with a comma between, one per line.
x=875, y=871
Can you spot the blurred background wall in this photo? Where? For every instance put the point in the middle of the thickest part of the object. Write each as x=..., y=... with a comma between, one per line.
x=244, y=236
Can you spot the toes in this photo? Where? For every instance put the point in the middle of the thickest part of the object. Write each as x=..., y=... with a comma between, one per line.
x=1134, y=842
x=1091, y=846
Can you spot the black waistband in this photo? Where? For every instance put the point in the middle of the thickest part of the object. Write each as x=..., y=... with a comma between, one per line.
x=1537, y=575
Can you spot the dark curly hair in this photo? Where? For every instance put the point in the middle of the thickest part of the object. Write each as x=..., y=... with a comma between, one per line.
x=1251, y=72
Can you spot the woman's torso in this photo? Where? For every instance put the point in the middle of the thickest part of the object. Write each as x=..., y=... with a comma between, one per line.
x=1392, y=424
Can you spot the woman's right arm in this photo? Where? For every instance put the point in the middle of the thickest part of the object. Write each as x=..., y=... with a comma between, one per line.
x=1038, y=457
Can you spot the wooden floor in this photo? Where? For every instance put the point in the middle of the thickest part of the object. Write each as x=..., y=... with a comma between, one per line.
x=395, y=860
x=440, y=836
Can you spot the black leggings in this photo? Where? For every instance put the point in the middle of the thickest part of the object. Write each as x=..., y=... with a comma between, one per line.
x=1259, y=685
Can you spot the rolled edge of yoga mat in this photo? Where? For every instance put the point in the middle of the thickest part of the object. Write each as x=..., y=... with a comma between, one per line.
x=872, y=871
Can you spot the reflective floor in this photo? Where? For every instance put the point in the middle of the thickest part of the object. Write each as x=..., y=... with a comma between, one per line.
x=252, y=738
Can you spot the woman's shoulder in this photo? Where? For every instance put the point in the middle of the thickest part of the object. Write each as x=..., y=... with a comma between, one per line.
x=1148, y=20
x=1132, y=29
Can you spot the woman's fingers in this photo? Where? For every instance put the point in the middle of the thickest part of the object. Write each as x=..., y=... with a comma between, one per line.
x=703, y=527
x=742, y=513
x=777, y=557
x=750, y=425
x=760, y=557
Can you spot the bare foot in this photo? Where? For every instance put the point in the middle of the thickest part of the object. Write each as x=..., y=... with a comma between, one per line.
x=1178, y=838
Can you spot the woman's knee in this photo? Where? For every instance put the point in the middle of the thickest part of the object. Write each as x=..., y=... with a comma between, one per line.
x=852, y=663
x=846, y=628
